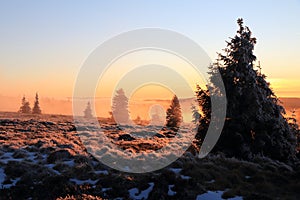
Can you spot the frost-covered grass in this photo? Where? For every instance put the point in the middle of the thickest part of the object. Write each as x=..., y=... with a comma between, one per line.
x=46, y=154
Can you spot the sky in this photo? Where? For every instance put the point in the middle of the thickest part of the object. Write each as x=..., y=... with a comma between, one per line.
x=43, y=44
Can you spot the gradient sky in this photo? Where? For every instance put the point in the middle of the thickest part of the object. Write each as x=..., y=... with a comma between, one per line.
x=44, y=43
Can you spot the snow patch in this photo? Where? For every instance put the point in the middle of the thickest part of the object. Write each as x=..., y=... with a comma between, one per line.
x=2, y=175
x=31, y=156
x=176, y=170
x=14, y=182
x=50, y=166
x=104, y=172
x=211, y=181
x=81, y=182
x=105, y=189
x=214, y=195
x=170, y=191
x=2, y=179
x=133, y=193
x=8, y=156
x=185, y=177
x=70, y=163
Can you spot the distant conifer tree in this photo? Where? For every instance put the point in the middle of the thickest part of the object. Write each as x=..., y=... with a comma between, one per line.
x=25, y=107
x=36, y=107
x=88, y=111
x=173, y=115
x=138, y=120
x=120, y=107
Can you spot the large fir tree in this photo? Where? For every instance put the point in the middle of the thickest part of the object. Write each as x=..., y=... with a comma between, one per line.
x=255, y=124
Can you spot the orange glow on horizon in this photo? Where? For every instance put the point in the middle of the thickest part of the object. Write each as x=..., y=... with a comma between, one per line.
x=285, y=87
x=138, y=105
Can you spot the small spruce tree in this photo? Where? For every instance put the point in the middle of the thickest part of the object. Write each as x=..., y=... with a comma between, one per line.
x=173, y=115
x=88, y=111
x=138, y=120
x=25, y=107
x=36, y=107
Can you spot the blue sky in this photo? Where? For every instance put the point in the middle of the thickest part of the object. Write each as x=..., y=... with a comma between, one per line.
x=44, y=43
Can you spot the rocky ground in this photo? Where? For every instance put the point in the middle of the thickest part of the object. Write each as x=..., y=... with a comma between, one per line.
x=42, y=157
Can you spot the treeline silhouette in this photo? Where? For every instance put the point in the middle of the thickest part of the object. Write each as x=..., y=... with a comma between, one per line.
x=120, y=112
